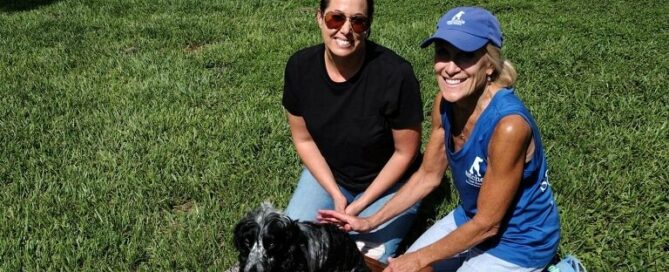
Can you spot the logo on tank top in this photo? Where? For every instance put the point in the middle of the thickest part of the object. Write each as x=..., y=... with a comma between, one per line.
x=474, y=177
x=545, y=183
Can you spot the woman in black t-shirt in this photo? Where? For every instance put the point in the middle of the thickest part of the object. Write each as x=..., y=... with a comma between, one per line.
x=355, y=114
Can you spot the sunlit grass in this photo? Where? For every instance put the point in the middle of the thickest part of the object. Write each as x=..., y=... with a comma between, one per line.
x=134, y=134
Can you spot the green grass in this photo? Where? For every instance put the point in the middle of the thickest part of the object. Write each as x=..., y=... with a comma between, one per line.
x=134, y=134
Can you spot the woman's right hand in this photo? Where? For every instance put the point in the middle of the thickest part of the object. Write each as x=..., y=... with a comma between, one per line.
x=344, y=221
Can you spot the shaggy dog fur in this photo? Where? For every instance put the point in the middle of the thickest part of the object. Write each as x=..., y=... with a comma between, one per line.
x=269, y=241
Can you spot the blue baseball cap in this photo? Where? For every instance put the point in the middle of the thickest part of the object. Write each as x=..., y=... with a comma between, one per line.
x=467, y=28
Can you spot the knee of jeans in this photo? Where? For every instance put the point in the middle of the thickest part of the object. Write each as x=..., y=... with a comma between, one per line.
x=384, y=258
x=375, y=249
x=299, y=213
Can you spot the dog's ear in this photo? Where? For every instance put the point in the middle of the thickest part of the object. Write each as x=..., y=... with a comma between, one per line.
x=282, y=240
x=280, y=232
x=245, y=235
x=294, y=232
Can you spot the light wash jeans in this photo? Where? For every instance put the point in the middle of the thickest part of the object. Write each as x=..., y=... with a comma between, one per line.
x=470, y=260
x=309, y=197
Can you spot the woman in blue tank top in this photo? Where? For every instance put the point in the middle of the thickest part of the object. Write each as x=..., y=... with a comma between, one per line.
x=507, y=219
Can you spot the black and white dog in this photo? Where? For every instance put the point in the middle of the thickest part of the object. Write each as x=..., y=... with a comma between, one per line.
x=269, y=241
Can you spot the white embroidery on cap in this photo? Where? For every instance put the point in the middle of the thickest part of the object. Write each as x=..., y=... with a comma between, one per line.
x=457, y=20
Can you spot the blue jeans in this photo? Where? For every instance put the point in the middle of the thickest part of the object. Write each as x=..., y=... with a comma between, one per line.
x=309, y=197
x=471, y=260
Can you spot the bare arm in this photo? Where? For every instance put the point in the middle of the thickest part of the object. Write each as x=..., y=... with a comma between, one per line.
x=313, y=159
x=506, y=159
x=406, y=143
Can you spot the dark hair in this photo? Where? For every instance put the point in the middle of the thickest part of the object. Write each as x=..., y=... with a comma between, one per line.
x=370, y=9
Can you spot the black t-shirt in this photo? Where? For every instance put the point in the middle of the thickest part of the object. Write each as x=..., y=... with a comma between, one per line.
x=351, y=122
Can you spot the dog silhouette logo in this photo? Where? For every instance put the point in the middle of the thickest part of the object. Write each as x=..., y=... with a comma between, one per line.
x=457, y=19
x=474, y=177
x=476, y=167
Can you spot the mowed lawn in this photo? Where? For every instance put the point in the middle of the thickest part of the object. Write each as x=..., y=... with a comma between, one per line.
x=135, y=134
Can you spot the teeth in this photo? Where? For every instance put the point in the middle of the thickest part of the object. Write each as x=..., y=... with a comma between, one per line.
x=453, y=81
x=343, y=43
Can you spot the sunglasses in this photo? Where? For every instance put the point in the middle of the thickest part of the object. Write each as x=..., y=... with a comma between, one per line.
x=460, y=57
x=336, y=19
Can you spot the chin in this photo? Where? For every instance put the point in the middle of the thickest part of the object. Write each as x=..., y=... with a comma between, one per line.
x=452, y=96
x=267, y=240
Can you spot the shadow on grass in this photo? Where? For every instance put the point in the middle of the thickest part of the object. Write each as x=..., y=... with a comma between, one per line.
x=23, y=5
x=427, y=214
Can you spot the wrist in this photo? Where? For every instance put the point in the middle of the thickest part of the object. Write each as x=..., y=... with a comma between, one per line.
x=425, y=256
x=337, y=196
x=372, y=222
x=357, y=204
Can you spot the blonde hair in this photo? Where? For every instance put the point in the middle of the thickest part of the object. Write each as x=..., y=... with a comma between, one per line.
x=505, y=74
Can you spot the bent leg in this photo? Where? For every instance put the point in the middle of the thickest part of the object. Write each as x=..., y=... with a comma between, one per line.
x=439, y=230
x=478, y=260
x=308, y=198
x=385, y=239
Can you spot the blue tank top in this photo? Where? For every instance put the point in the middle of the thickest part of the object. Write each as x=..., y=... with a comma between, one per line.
x=530, y=233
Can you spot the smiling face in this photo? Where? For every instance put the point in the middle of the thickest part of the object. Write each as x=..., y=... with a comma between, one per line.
x=343, y=41
x=460, y=74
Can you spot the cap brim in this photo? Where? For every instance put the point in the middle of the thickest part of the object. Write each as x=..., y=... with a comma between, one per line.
x=461, y=40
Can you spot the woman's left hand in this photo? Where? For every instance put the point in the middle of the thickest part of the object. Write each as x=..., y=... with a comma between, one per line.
x=406, y=263
x=354, y=208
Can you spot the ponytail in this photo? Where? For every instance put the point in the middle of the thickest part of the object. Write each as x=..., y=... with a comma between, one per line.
x=505, y=74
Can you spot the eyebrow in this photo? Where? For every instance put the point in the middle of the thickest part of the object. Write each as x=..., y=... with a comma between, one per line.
x=355, y=14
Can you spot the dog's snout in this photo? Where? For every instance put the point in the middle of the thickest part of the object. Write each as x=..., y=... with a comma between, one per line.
x=257, y=260
x=254, y=268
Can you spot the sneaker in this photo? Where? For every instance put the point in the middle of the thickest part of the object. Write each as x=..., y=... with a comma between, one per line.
x=568, y=264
